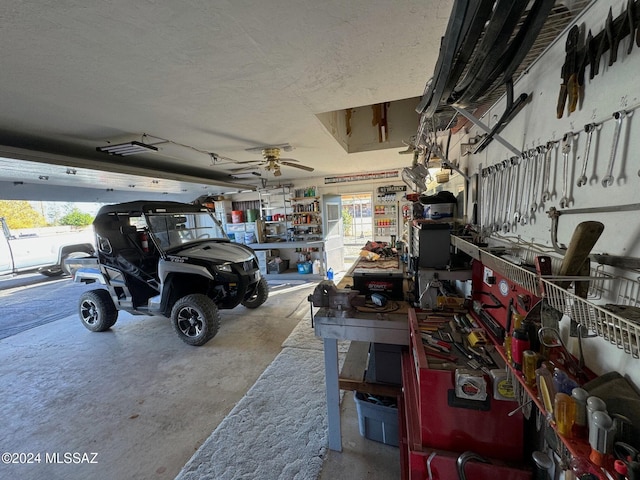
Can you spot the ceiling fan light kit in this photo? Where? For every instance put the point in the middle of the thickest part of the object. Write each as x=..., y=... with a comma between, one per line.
x=272, y=162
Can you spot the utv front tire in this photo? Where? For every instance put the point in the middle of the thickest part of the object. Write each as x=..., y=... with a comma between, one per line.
x=195, y=319
x=97, y=311
x=259, y=297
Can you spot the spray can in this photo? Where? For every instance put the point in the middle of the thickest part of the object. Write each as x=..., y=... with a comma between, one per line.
x=519, y=343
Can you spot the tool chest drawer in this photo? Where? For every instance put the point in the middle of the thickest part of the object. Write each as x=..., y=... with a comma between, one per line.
x=421, y=462
x=442, y=422
x=443, y=467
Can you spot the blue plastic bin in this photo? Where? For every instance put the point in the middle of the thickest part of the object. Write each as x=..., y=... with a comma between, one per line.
x=304, y=267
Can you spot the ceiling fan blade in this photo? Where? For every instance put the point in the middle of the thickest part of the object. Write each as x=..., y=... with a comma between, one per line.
x=244, y=169
x=277, y=172
x=301, y=167
x=289, y=160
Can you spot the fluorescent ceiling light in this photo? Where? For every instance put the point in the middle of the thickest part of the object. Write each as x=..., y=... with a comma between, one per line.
x=125, y=149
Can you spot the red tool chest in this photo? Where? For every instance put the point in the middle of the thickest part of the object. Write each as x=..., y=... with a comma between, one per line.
x=429, y=424
x=490, y=433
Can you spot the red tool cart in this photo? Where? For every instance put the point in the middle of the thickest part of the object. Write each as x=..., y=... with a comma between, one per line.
x=436, y=427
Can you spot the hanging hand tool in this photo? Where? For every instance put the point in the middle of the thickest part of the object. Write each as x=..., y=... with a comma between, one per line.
x=589, y=128
x=569, y=87
x=513, y=199
x=537, y=166
x=566, y=148
x=584, y=237
x=591, y=55
x=608, y=179
x=624, y=29
x=506, y=224
x=605, y=41
x=519, y=186
x=526, y=190
x=631, y=21
x=546, y=174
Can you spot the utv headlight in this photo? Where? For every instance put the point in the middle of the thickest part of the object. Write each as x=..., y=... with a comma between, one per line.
x=224, y=268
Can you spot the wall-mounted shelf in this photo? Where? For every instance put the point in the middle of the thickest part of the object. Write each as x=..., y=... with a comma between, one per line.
x=275, y=203
x=306, y=214
x=620, y=331
x=576, y=447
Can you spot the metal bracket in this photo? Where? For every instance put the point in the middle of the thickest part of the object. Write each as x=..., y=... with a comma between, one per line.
x=482, y=126
x=612, y=260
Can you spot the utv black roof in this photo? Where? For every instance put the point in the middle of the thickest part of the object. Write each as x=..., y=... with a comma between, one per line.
x=142, y=206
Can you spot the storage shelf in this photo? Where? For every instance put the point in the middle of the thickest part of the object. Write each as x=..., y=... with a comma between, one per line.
x=577, y=447
x=619, y=331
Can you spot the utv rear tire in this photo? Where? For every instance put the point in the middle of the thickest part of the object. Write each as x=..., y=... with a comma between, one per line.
x=195, y=319
x=259, y=297
x=97, y=310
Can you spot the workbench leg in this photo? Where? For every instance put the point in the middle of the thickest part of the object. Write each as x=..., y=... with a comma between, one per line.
x=333, y=393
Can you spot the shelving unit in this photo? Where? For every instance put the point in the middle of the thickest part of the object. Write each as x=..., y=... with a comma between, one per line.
x=306, y=218
x=385, y=219
x=275, y=212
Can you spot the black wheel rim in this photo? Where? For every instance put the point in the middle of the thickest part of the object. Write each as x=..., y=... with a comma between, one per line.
x=89, y=312
x=190, y=322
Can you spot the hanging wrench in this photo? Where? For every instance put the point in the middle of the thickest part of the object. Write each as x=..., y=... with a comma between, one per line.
x=526, y=190
x=502, y=198
x=589, y=129
x=537, y=152
x=506, y=225
x=488, y=196
x=566, y=148
x=495, y=190
x=522, y=186
x=495, y=185
x=518, y=189
x=607, y=181
x=554, y=170
x=484, y=190
x=546, y=173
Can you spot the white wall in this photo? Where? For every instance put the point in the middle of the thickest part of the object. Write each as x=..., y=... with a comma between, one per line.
x=615, y=88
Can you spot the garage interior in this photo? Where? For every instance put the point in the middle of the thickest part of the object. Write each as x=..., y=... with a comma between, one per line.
x=241, y=103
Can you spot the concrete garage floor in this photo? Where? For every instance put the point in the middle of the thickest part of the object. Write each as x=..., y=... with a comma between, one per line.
x=143, y=400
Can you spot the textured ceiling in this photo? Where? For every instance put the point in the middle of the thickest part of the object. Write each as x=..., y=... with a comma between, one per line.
x=201, y=77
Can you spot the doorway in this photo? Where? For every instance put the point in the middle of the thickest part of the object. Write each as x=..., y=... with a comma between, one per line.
x=357, y=221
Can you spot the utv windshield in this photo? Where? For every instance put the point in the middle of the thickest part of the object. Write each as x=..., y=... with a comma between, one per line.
x=176, y=229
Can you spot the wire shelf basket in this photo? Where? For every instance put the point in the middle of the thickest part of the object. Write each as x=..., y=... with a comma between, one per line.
x=604, y=288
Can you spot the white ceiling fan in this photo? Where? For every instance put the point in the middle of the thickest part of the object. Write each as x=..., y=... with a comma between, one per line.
x=272, y=162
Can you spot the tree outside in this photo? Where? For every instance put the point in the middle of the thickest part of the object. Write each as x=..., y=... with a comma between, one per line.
x=347, y=221
x=76, y=218
x=20, y=214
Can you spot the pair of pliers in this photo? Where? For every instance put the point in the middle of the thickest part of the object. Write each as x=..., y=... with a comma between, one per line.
x=627, y=26
x=569, y=87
